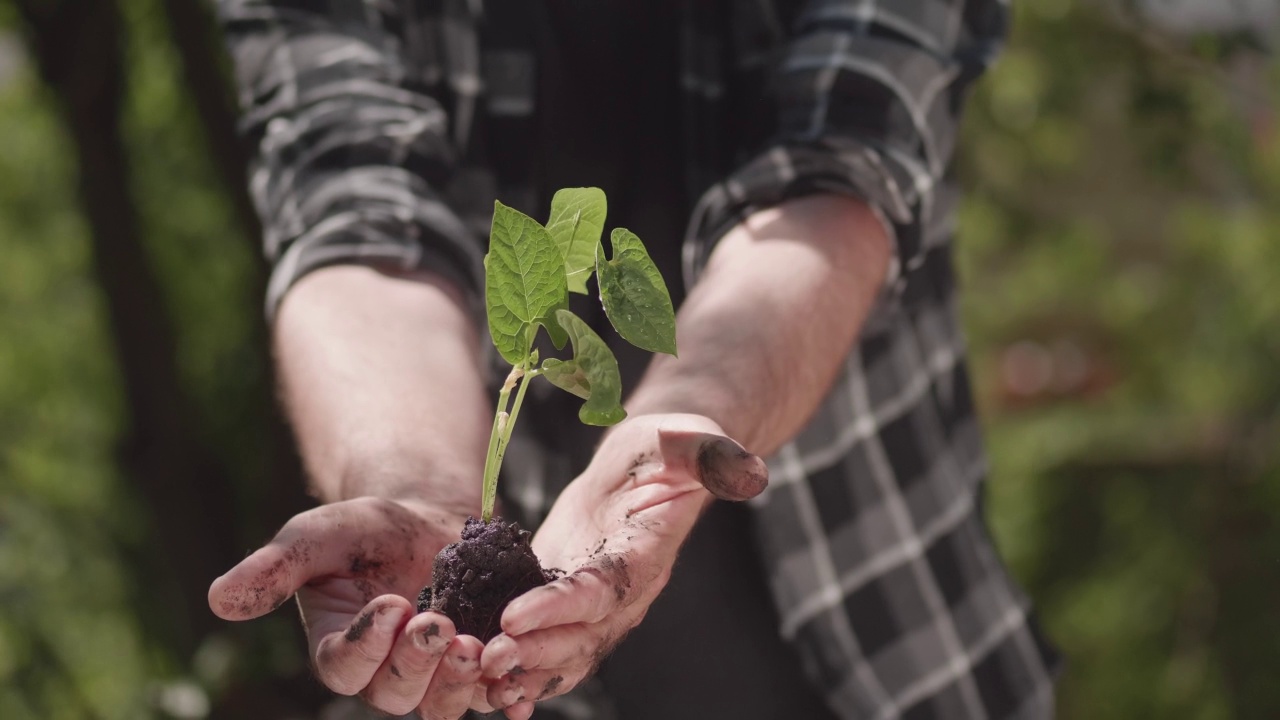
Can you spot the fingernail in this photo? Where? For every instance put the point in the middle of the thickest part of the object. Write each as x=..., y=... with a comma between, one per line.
x=499, y=657
x=512, y=694
x=518, y=623
x=516, y=628
x=388, y=619
x=729, y=472
x=463, y=663
x=430, y=638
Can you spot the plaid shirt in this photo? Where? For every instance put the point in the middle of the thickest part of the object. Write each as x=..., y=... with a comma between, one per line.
x=371, y=120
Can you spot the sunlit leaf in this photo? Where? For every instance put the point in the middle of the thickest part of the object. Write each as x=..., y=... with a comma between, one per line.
x=593, y=370
x=576, y=222
x=635, y=297
x=523, y=280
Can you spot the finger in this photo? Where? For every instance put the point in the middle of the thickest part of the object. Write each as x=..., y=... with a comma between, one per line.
x=480, y=698
x=400, y=683
x=507, y=691
x=587, y=595
x=723, y=466
x=557, y=647
x=450, y=691
x=266, y=579
x=534, y=685
x=346, y=660
x=522, y=711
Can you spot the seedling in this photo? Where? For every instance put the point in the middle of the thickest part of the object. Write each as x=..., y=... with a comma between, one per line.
x=529, y=272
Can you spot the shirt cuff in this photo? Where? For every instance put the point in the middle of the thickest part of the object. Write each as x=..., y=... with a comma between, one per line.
x=416, y=233
x=787, y=171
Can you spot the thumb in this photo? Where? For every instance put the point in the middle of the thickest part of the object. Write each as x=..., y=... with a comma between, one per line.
x=266, y=579
x=724, y=467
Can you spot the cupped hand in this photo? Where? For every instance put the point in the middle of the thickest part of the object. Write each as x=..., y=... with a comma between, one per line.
x=615, y=530
x=356, y=567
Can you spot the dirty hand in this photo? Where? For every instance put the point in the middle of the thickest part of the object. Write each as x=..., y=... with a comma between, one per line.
x=356, y=567
x=616, y=530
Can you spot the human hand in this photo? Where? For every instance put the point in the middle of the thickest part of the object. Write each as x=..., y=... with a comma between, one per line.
x=616, y=528
x=356, y=567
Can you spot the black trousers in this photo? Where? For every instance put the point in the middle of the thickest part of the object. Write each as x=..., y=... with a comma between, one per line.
x=709, y=647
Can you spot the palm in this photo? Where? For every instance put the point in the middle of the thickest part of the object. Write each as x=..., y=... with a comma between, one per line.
x=331, y=604
x=643, y=492
x=356, y=567
x=615, y=531
x=639, y=511
x=337, y=558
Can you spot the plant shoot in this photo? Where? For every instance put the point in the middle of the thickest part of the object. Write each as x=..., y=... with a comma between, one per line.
x=530, y=270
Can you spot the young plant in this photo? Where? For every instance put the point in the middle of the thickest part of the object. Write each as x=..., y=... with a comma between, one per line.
x=529, y=272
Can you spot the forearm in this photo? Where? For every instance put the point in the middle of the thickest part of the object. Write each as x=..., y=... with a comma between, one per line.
x=381, y=378
x=764, y=332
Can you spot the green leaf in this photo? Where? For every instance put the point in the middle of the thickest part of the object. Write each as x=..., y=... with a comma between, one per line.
x=558, y=336
x=592, y=366
x=567, y=375
x=577, y=219
x=523, y=280
x=635, y=297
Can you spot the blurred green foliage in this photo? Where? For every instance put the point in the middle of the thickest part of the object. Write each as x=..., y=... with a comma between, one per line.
x=79, y=636
x=1120, y=252
x=1120, y=248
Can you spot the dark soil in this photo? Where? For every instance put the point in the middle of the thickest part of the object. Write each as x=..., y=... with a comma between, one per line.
x=473, y=580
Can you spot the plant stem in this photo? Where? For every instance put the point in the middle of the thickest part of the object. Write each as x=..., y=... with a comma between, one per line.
x=515, y=412
x=503, y=425
x=492, y=460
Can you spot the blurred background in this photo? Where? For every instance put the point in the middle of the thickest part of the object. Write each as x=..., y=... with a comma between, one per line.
x=1120, y=247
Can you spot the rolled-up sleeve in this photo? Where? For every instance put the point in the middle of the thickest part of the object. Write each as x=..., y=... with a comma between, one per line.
x=349, y=152
x=866, y=99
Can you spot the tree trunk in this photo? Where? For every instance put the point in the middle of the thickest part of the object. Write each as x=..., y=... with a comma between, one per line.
x=77, y=47
x=197, y=41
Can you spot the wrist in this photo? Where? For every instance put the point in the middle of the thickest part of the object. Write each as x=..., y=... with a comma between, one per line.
x=675, y=390
x=381, y=378
x=441, y=486
x=446, y=519
x=644, y=420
